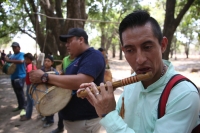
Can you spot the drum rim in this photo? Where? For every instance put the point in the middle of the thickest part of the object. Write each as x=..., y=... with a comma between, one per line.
x=38, y=105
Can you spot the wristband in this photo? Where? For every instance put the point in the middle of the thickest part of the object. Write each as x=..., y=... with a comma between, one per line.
x=45, y=78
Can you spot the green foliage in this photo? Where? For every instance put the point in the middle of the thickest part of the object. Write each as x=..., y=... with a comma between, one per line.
x=57, y=57
x=195, y=10
x=158, y=11
x=12, y=17
x=175, y=44
x=95, y=42
x=108, y=11
x=190, y=26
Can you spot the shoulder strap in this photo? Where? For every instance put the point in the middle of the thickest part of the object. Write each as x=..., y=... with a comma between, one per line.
x=165, y=94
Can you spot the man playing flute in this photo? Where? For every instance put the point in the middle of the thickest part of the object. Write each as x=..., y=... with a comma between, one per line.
x=143, y=44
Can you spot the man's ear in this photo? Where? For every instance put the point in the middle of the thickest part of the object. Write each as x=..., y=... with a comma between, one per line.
x=81, y=40
x=164, y=44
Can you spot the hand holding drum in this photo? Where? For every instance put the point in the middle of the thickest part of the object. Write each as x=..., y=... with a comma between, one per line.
x=123, y=82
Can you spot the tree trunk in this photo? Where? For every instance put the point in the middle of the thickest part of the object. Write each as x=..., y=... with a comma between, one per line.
x=120, y=52
x=48, y=29
x=103, y=38
x=108, y=41
x=175, y=53
x=113, y=50
x=175, y=49
x=171, y=23
x=187, y=48
x=187, y=54
x=171, y=53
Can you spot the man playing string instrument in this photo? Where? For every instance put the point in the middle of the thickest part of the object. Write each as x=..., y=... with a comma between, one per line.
x=143, y=45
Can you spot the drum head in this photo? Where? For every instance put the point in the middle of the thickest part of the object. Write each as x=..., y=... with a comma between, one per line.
x=11, y=69
x=51, y=72
x=56, y=99
x=5, y=67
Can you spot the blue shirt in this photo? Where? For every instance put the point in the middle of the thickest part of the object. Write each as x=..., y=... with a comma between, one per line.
x=91, y=63
x=20, y=71
x=141, y=105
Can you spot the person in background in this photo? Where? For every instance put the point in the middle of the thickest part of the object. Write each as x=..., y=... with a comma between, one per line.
x=18, y=77
x=65, y=63
x=107, y=74
x=3, y=55
x=29, y=67
x=102, y=50
x=35, y=56
x=48, y=62
x=50, y=54
x=9, y=54
x=79, y=115
x=143, y=45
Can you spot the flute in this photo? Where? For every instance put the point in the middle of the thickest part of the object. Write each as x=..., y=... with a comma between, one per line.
x=119, y=83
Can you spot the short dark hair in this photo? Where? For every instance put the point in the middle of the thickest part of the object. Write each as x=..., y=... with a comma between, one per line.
x=15, y=44
x=101, y=49
x=49, y=57
x=140, y=18
x=29, y=56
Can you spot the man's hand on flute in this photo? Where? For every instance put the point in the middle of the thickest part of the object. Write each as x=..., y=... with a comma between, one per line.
x=103, y=100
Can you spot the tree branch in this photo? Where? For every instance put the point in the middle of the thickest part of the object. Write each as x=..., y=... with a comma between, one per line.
x=25, y=32
x=5, y=34
x=58, y=9
x=27, y=11
x=32, y=4
x=183, y=11
x=170, y=9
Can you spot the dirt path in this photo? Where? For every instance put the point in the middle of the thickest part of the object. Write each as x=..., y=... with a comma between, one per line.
x=9, y=121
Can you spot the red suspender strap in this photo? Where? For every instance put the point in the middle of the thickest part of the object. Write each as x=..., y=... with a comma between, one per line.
x=165, y=94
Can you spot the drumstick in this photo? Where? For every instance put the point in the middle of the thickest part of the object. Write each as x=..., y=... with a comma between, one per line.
x=32, y=65
x=123, y=82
